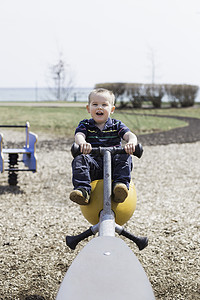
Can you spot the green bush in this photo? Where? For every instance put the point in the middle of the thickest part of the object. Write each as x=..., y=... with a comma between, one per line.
x=155, y=93
x=170, y=91
x=187, y=95
x=118, y=88
x=182, y=94
x=135, y=94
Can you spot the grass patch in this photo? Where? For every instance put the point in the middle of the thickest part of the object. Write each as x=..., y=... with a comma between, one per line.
x=147, y=124
x=192, y=112
x=62, y=121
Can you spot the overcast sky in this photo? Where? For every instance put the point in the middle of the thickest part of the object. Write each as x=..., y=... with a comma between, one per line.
x=101, y=40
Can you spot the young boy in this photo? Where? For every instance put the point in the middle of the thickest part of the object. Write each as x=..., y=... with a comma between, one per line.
x=102, y=131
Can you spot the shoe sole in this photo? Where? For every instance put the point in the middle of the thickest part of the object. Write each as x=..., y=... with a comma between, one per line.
x=78, y=198
x=120, y=194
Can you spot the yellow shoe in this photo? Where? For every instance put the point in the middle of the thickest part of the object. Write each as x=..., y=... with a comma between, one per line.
x=120, y=192
x=80, y=196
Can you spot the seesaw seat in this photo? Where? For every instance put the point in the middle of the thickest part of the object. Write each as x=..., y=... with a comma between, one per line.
x=123, y=211
x=28, y=153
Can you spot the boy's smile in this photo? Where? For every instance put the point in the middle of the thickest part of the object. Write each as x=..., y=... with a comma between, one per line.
x=100, y=109
x=99, y=113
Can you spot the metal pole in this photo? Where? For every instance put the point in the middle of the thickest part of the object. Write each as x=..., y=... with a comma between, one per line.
x=107, y=220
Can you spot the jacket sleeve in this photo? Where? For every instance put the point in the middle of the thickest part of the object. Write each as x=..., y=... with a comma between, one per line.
x=122, y=129
x=82, y=127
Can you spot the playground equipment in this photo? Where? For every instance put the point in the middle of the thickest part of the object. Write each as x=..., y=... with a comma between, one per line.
x=122, y=211
x=106, y=268
x=28, y=153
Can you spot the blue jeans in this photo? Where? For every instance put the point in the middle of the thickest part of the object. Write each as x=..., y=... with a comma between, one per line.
x=86, y=168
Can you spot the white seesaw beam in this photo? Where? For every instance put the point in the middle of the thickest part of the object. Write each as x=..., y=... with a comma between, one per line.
x=106, y=269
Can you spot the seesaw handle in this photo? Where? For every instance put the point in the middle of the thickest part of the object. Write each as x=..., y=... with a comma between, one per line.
x=72, y=241
x=140, y=241
x=120, y=150
x=75, y=150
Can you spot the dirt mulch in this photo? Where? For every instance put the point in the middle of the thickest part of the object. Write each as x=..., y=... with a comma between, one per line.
x=36, y=216
x=187, y=134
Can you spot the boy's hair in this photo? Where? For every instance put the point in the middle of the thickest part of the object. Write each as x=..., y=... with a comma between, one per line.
x=111, y=96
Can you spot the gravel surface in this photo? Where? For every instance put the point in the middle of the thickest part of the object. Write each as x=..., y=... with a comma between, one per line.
x=36, y=216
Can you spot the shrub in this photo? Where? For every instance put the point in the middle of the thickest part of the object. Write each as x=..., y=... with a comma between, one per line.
x=170, y=91
x=181, y=93
x=187, y=95
x=135, y=93
x=117, y=88
x=155, y=93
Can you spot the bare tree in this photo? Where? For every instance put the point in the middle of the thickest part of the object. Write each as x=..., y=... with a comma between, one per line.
x=152, y=58
x=61, y=79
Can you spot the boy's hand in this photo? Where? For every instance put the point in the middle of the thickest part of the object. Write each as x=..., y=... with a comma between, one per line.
x=129, y=148
x=85, y=148
x=131, y=141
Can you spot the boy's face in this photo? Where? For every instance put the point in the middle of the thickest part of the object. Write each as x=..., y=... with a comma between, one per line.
x=100, y=108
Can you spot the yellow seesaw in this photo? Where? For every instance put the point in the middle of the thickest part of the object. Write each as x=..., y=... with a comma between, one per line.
x=123, y=211
x=106, y=268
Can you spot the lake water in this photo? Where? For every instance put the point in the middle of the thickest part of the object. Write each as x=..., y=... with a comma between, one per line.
x=46, y=94
x=41, y=94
